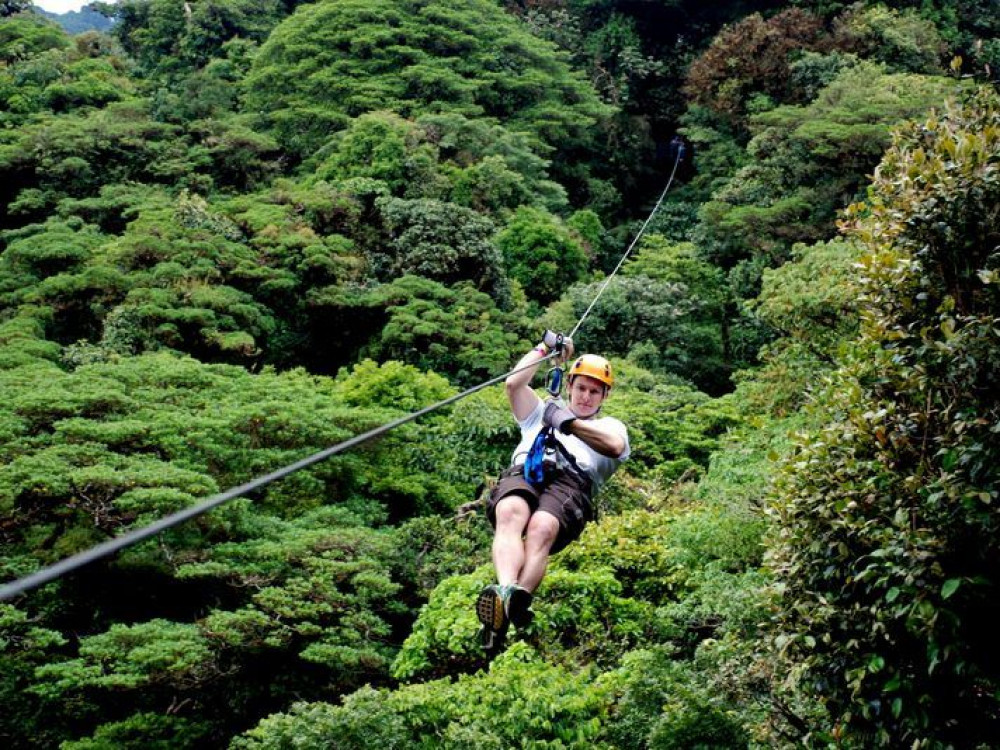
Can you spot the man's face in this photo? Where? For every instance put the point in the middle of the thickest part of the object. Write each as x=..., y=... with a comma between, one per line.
x=586, y=394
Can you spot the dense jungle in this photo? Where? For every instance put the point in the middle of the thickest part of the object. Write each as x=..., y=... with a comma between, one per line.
x=235, y=233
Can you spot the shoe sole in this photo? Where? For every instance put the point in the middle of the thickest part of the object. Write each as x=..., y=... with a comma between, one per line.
x=489, y=609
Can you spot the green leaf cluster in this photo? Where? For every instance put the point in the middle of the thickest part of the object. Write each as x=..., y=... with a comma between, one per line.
x=457, y=330
x=886, y=513
x=330, y=62
x=541, y=253
x=472, y=162
x=670, y=323
x=809, y=162
x=521, y=701
x=47, y=72
x=168, y=40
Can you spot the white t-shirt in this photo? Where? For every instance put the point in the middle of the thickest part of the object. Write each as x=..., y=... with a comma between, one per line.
x=597, y=467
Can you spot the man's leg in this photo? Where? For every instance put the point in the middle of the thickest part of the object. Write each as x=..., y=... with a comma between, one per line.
x=512, y=514
x=543, y=528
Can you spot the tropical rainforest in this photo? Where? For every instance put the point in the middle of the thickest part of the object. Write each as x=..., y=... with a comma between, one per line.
x=236, y=233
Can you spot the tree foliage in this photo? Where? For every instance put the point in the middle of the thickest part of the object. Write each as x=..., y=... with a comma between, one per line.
x=223, y=249
x=902, y=40
x=333, y=61
x=887, y=554
x=169, y=39
x=541, y=253
x=456, y=331
x=295, y=575
x=811, y=324
x=522, y=700
x=439, y=241
x=969, y=27
x=665, y=312
x=752, y=57
x=809, y=162
x=26, y=35
x=470, y=162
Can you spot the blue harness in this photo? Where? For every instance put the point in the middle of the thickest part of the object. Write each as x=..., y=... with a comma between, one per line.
x=542, y=461
x=539, y=465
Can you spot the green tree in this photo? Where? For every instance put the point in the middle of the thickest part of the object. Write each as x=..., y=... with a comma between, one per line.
x=25, y=35
x=658, y=324
x=888, y=537
x=74, y=155
x=665, y=705
x=330, y=62
x=751, y=59
x=540, y=253
x=169, y=39
x=969, y=27
x=173, y=280
x=476, y=150
x=904, y=41
x=218, y=607
x=23, y=649
x=812, y=322
x=473, y=163
x=439, y=241
x=819, y=315
x=673, y=428
x=455, y=331
x=377, y=146
x=808, y=162
x=634, y=64
x=45, y=71
x=522, y=700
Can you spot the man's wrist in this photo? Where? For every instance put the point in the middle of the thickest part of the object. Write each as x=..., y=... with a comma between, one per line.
x=542, y=349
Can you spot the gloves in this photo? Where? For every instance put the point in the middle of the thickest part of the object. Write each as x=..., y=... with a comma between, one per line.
x=557, y=416
x=550, y=339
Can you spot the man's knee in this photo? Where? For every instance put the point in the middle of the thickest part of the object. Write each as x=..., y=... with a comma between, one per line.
x=543, y=528
x=512, y=510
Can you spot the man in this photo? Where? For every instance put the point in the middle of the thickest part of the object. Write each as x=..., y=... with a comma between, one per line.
x=537, y=515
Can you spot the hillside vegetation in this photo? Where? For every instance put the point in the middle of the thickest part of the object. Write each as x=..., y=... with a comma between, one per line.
x=236, y=233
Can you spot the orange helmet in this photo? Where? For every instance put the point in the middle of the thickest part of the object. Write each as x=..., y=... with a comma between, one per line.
x=593, y=366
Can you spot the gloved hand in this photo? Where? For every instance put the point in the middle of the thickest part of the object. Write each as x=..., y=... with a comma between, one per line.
x=559, y=417
x=551, y=339
x=567, y=349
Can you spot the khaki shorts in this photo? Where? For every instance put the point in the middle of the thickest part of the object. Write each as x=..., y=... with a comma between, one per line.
x=567, y=497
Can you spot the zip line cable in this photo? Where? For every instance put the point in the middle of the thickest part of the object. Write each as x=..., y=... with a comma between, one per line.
x=69, y=564
x=622, y=261
x=59, y=569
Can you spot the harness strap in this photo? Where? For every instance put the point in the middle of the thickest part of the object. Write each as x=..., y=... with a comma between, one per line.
x=537, y=472
x=534, y=462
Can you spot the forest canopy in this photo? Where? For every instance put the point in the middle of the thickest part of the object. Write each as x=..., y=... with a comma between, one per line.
x=235, y=234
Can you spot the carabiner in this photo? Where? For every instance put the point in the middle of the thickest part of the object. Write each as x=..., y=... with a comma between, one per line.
x=553, y=381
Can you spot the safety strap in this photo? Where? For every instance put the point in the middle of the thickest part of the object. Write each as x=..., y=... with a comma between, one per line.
x=534, y=462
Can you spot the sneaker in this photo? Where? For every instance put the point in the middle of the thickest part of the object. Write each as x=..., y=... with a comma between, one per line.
x=490, y=608
x=492, y=640
x=517, y=604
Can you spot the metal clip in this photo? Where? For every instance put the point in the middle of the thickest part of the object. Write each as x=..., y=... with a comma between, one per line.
x=553, y=381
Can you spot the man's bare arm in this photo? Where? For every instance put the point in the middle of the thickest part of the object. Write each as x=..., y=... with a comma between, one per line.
x=523, y=400
x=605, y=441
